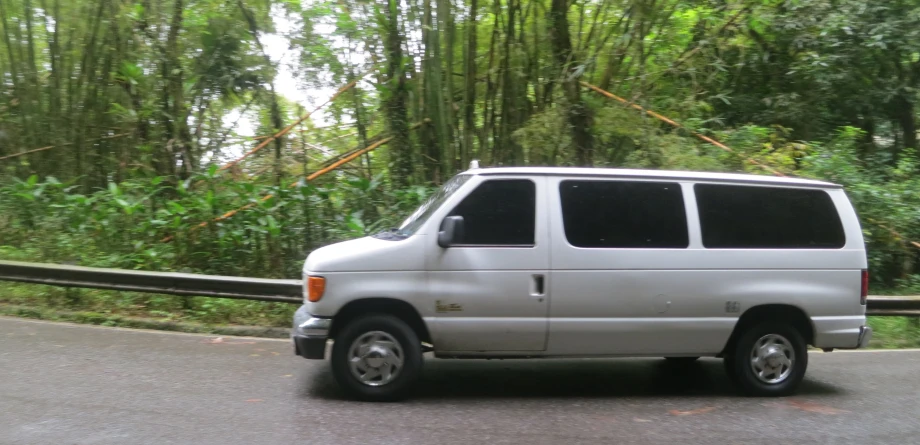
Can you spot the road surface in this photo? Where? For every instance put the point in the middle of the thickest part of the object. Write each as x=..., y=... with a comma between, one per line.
x=68, y=384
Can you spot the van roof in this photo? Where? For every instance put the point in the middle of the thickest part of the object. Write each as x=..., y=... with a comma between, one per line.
x=651, y=174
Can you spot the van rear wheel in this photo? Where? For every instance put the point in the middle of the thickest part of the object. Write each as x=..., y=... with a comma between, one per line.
x=377, y=358
x=769, y=360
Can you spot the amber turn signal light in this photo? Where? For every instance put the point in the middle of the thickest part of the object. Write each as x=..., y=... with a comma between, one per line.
x=316, y=287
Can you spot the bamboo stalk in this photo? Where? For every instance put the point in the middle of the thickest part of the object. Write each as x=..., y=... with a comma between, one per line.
x=346, y=159
x=287, y=129
x=36, y=150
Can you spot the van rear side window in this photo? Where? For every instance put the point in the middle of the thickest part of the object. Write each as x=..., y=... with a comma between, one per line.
x=746, y=217
x=620, y=214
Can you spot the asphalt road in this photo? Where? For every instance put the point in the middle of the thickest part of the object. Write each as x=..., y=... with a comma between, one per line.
x=67, y=384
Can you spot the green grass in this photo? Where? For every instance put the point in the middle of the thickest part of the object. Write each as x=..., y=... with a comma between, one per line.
x=98, y=319
x=895, y=332
x=100, y=306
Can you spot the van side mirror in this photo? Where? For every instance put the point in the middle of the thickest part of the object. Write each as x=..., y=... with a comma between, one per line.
x=451, y=232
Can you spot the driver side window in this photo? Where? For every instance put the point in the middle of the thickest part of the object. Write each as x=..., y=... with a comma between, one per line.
x=500, y=212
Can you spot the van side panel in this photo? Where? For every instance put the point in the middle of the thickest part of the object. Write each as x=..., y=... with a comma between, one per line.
x=689, y=311
x=687, y=301
x=833, y=330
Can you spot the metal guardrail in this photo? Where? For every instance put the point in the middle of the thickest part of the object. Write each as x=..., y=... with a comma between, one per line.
x=903, y=306
x=260, y=289
x=172, y=283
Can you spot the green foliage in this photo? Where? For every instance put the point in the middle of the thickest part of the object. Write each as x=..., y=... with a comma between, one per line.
x=674, y=152
x=886, y=199
x=123, y=224
x=544, y=137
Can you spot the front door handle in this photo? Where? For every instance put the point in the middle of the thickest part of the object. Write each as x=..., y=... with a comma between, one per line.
x=538, y=287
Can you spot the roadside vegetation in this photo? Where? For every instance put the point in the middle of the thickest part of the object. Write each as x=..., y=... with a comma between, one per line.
x=895, y=332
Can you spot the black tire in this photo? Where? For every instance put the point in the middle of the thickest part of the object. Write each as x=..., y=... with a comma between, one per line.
x=681, y=360
x=408, y=373
x=738, y=361
x=728, y=362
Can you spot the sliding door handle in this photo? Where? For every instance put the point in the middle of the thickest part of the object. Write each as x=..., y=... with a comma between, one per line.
x=538, y=286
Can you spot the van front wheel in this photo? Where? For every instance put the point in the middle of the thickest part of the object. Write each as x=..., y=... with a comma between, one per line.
x=768, y=360
x=377, y=358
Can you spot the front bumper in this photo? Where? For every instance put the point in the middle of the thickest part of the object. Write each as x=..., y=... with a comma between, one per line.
x=309, y=334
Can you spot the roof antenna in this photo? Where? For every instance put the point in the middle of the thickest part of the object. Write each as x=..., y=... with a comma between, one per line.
x=474, y=164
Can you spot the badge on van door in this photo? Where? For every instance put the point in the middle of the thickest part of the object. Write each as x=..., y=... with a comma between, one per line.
x=732, y=307
x=452, y=307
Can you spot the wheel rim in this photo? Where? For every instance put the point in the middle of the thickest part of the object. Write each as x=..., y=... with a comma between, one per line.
x=375, y=358
x=772, y=359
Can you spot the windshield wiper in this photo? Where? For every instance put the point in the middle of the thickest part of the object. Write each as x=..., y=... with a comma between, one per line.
x=392, y=234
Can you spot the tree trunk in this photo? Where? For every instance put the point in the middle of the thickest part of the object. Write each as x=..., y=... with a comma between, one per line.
x=86, y=98
x=103, y=148
x=446, y=26
x=34, y=95
x=577, y=112
x=533, y=61
x=275, y=108
x=904, y=110
x=488, y=105
x=395, y=99
x=54, y=55
x=360, y=117
x=433, y=136
x=617, y=52
x=469, y=93
x=14, y=71
x=507, y=149
x=181, y=138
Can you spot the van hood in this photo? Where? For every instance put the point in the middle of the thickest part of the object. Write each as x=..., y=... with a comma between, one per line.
x=368, y=254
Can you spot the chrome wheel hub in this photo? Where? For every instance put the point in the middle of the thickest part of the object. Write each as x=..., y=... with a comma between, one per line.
x=772, y=358
x=375, y=358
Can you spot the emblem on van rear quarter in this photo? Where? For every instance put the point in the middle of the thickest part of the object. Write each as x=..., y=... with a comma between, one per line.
x=452, y=307
x=732, y=307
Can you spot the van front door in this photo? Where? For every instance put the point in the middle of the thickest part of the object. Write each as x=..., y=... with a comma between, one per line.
x=490, y=290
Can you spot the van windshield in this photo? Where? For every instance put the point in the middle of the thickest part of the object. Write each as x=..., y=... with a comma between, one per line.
x=424, y=211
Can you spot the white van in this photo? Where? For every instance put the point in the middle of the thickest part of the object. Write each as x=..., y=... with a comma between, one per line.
x=576, y=262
